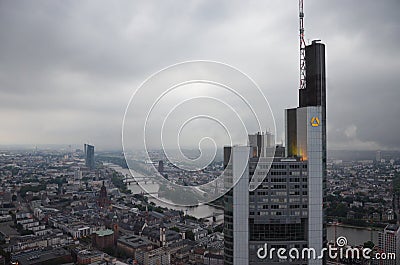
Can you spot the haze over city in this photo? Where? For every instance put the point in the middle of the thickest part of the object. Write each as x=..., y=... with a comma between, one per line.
x=67, y=69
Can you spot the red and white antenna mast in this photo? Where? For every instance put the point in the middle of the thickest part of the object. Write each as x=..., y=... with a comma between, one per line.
x=302, y=47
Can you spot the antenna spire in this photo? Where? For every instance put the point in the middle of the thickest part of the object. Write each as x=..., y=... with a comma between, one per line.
x=302, y=47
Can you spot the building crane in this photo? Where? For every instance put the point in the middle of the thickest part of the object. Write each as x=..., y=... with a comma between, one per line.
x=302, y=47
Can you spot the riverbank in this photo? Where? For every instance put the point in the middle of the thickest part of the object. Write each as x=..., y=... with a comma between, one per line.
x=355, y=227
x=355, y=236
x=200, y=211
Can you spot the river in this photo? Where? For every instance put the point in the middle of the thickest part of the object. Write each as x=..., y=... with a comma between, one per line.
x=201, y=211
x=355, y=236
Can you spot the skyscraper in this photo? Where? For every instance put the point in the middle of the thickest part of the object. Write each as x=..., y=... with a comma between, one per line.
x=286, y=210
x=275, y=213
x=389, y=242
x=378, y=156
x=89, y=156
x=306, y=139
x=236, y=203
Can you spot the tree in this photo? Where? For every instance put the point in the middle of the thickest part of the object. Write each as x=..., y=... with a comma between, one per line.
x=369, y=244
x=190, y=235
x=176, y=229
x=109, y=251
x=159, y=210
x=219, y=228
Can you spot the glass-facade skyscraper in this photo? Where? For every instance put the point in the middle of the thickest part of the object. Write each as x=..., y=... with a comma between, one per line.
x=89, y=156
x=287, y=208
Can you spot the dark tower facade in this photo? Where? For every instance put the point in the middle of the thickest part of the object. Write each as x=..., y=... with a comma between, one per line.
x=161, y=167
x=103, y=197
x=89, y=156
x=314, y=93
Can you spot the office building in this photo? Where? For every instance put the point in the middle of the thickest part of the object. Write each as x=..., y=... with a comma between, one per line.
x=161, y=166
x=306, y=139
x=275, y=213
x=287, y=209
x=89, y=156
x=389, y=242
x=378, y=156
x=236, y=203
x=157, y=256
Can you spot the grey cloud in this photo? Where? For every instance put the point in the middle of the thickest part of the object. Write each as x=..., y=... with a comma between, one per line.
x=75, y=63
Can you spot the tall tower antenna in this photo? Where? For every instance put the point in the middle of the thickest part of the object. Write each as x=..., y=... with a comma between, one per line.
x=302, y=47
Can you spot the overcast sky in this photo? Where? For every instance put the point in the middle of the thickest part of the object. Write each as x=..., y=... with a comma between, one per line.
x=68, y=68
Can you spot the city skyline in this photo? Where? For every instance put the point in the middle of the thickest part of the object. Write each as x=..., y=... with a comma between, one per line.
x=60, y=81
x=200, y=132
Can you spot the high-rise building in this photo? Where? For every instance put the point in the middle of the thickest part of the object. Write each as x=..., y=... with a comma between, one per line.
x=306, y=139
x=287, y=209
x=378, y=156
x=89, y=156
x=275, y=213
x=161, y=166
x=236, y=205
x=389, y=242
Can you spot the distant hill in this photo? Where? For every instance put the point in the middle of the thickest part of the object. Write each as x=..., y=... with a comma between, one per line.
x=347, y=155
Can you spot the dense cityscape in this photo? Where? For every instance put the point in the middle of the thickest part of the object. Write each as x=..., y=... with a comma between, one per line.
x=56, y=209
x=59, y=209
